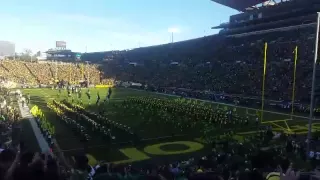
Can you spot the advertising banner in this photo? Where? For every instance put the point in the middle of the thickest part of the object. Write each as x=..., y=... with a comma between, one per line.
x=61, y=44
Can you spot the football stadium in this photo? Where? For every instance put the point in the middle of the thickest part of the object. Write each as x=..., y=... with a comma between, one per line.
x=239, y=104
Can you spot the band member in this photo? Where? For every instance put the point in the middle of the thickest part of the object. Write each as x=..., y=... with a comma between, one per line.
x=88, y=95
x=98, y=98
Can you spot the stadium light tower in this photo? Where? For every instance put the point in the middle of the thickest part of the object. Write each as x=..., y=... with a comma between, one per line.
x=311, y=116
x=172, y=31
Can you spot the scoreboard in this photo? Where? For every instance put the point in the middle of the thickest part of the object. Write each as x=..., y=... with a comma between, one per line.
x=78, y=56
x=61, y=44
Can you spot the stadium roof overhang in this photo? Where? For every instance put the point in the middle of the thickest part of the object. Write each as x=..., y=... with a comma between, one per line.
x=239, y=5
x=57, y=51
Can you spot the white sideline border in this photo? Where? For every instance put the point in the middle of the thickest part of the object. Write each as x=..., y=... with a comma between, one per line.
x=25, y=113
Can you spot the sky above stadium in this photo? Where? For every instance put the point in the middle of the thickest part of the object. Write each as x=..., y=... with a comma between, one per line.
x=102, y=25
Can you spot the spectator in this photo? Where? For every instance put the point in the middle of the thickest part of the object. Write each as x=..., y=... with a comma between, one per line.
x=80, y=170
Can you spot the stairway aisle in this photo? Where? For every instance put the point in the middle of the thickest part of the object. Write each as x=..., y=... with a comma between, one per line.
x=25, y=113
x=33, y=75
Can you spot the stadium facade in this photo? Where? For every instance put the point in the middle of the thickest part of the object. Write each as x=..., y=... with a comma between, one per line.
x=270, y=16
x=59, y=53
x=6, y=49
x=64, y=55
x=274, y=17
x=239, y=5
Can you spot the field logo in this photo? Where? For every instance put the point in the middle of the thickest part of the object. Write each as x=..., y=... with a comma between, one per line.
x=135, y=155
x=156, y=148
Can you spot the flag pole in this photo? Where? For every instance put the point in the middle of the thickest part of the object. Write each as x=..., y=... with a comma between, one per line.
x=263, y=80
x=313, y=86
x=294, y=79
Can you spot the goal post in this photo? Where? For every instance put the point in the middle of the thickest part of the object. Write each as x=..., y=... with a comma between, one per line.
x=311, y=113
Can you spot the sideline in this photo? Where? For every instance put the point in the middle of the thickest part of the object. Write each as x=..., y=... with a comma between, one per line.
x=25, y=113
x=232, y=105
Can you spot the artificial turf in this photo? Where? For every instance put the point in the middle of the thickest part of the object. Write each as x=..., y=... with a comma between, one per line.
x=121, y=151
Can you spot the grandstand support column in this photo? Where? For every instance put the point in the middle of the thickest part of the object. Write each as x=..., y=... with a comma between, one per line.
x=70, y=69
x=313, y=86
x=56, y=70
x=87, y=73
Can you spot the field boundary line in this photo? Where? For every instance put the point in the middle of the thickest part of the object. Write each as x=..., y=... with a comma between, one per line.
x=274, y=121
x=42, y=143
x=232, y=105
x=281, y=127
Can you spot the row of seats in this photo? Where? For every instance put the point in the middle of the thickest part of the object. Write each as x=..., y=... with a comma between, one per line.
x=232, y=65
x=34, y=73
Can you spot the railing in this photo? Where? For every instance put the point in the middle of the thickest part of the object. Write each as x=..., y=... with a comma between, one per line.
x=288, y=28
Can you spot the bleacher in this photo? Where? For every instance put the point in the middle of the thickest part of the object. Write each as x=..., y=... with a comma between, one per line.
x=33, y=73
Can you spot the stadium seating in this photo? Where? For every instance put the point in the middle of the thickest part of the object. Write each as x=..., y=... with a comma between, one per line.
x=232, y=65
x=40, y=71
x=33, y=73
x=17, y=72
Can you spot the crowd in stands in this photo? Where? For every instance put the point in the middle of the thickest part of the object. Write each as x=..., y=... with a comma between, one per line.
x=16, y=71
x=34, y=73
x=230, y=65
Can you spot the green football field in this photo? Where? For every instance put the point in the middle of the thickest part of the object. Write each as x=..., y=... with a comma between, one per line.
x=158, y=143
